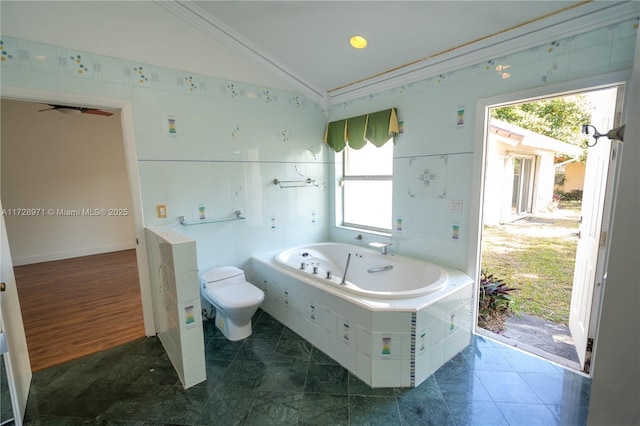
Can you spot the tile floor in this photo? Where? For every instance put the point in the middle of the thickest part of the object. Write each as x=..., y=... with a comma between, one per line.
x=277, y=378
x=6, y=413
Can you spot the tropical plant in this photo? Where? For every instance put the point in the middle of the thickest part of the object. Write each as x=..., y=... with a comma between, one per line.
x=494, y=296
x=573, y=195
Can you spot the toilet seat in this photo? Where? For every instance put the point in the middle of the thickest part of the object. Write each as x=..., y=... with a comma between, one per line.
x=236, y=296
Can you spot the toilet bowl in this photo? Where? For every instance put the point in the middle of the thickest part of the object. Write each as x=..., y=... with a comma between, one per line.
x=234, y=299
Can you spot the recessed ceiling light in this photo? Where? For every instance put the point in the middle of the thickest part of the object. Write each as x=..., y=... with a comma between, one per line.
x=358, y=42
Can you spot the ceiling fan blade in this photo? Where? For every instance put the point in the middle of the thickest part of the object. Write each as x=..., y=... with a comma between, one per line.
x=96, y=112
x=46, y=109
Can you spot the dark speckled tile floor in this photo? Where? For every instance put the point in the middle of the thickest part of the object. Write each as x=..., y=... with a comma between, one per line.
x=277, y=378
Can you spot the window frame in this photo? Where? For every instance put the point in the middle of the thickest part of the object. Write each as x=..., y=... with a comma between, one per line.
x=362, y=178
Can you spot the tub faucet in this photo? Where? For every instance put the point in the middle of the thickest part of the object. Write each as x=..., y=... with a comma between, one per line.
x=381, y=246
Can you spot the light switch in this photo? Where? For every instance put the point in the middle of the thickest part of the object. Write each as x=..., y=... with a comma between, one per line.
x=162, y=211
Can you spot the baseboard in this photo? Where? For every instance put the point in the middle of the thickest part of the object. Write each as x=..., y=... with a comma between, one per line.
x=48, y=257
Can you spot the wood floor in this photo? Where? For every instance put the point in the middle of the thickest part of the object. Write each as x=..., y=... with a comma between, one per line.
x=75, y=307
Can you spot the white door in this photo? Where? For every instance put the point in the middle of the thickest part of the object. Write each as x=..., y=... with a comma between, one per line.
x=589, y=272
x=17, y=358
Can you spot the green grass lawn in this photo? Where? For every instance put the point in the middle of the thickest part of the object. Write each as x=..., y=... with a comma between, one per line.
x=537, y=258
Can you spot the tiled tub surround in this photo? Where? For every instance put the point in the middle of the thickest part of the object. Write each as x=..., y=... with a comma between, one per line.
x=383, y=342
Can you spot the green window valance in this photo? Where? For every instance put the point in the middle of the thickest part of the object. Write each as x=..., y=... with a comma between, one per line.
x=377, y=128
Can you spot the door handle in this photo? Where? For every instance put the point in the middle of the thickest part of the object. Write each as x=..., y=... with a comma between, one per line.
x=575, y=234
x=3, y=286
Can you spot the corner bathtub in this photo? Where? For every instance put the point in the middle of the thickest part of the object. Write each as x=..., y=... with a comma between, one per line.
x=389, y=326
x=369, y=273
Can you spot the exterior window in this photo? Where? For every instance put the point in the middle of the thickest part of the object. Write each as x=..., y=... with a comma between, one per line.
x=367, y=187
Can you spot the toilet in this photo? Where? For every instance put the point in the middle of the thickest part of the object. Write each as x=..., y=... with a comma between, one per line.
x=234, y=299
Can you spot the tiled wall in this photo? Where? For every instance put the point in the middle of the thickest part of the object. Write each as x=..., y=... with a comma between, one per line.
x=202, y=142
x=205, y=142
x=433, y=156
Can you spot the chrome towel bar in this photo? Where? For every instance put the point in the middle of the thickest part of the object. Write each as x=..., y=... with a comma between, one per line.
x=238, y=213
x=295, y=183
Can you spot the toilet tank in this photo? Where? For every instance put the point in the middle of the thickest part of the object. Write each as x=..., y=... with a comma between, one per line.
x=223, y=275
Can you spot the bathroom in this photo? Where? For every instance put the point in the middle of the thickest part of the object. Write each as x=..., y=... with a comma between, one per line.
x=198, y=170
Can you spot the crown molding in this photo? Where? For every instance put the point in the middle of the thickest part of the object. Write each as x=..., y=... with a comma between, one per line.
x=570, y=23
x=216, y=29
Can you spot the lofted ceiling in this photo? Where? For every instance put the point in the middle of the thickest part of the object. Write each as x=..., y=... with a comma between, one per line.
x=311, y=38
x=294, y=45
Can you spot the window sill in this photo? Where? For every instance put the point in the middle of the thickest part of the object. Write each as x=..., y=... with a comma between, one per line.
x=365, y=230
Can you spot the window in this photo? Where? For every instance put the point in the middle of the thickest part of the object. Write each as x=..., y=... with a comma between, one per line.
x=367, y=187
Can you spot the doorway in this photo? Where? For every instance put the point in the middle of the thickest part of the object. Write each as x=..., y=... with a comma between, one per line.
x=522, y=185
x=71, y=167
x=533, y=207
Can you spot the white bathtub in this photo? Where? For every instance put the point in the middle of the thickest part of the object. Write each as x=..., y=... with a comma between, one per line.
x=391, y=327
x=370, y=274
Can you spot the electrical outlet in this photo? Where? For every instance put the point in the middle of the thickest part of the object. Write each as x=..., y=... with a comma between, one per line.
x=162, y=211
x=455, y=206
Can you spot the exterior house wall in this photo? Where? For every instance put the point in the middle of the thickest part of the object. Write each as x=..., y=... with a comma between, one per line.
x=499, y=183
x=574, y=177
x=545, y=177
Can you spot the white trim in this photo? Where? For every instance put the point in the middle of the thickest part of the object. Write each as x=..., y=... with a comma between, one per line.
x=18, y=415
x=47, y=257
x=132, y=169
x=202, y=20
x=128, y=134
x=574, y=21
x=482, y=105
x=567, y=24
x=479, y=152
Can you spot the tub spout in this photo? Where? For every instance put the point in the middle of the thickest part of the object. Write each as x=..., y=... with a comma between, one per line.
x=381, y=246
x=344, y=276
